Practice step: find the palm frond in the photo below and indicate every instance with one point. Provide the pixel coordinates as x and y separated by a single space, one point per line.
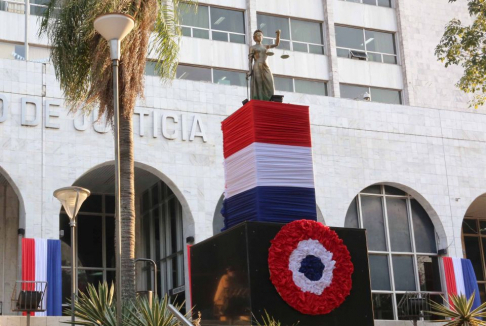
460 312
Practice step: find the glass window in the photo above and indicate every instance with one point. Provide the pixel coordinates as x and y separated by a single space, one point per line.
381 3
348 37
384 3
283 84
227 20
190 16
352 91
306 35
385 96
310 87
380 42
227 77
385 213
193 73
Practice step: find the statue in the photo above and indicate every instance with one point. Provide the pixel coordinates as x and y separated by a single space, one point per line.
262 87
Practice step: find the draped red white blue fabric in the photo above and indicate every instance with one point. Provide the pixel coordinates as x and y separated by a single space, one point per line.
461 279
41 261
268 164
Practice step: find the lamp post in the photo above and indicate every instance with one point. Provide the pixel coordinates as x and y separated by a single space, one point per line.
114 27
71 199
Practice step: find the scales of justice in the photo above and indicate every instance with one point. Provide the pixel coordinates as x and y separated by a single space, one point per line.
262 84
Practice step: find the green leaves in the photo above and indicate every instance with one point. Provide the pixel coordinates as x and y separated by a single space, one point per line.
459 312
465 46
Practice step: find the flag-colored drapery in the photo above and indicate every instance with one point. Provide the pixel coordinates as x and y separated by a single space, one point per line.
461 279
41 261
268 164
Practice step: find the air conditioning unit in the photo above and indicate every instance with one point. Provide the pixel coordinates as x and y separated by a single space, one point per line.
358 55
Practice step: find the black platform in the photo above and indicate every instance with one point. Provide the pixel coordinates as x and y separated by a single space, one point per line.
243 251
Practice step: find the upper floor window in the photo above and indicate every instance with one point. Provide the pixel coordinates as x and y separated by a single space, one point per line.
288 84
378 46
213 23
381 3
381 95
297 35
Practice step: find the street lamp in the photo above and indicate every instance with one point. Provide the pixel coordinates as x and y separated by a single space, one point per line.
71 199
114 27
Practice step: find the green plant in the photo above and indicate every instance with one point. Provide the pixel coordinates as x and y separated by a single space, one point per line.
460 311
268 320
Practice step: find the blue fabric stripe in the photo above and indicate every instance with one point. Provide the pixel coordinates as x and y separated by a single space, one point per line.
270 204
54 278
470 282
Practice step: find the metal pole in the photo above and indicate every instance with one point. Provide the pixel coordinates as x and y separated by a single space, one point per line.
73 266
26 40
117 195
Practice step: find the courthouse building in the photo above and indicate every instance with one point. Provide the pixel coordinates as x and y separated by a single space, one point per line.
396 148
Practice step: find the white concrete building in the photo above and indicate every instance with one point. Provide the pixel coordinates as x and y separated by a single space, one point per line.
424 146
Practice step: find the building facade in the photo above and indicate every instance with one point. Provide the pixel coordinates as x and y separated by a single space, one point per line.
408 165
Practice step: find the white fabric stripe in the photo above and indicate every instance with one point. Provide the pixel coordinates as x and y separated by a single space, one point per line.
41 268
261 164
461 289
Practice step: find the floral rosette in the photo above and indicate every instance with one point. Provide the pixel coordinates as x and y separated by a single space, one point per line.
310 267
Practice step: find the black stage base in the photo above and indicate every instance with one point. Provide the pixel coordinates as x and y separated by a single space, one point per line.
231 281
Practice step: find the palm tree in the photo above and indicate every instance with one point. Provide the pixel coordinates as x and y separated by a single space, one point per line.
83 68
460 311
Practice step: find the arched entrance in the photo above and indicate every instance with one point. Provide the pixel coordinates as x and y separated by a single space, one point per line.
159 232
10 208
474 240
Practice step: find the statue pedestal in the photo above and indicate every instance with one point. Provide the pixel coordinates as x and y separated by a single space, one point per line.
231 281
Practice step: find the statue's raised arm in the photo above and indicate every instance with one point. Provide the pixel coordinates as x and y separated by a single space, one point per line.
262 86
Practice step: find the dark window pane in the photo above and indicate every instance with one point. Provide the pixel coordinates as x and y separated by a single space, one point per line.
380 278
92 204
304 31
65 240
473 253
283 84
235 38
469 227
155 194
376 57
482 292
109 204
220 36
284 45
483 240
310 87
173 226
351 220
110 241
147 227
189 16
110 277
300 47
200 33
353 92
90 237
186 31
347 37
343 53
382 306
89 277
403 273
384 3
394 191
398 224
227 77
157 232
369 2
380 42
376 189
438 299
482 227
389 59
66 285
269 24
146 194
423 229
316 49
372 210
227 20
429 275
193 73
385 96
169 191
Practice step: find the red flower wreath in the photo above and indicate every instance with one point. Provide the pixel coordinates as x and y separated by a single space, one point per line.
339 270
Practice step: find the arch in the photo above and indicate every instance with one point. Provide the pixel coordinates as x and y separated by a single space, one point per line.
434 217
4 174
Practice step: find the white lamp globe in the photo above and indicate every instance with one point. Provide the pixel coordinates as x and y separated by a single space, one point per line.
71 199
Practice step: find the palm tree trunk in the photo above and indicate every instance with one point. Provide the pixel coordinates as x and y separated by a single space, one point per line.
127 190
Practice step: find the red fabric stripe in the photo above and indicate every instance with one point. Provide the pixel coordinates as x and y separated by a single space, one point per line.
28 265
450 277
266 122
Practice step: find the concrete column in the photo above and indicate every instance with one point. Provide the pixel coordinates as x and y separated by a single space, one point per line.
402 36
330 45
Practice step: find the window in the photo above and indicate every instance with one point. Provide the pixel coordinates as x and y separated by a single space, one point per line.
297 35
163 236
95 242
401 246
381 3
17 52
287 84
376 94
474 244
37 7
213 23
379 46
